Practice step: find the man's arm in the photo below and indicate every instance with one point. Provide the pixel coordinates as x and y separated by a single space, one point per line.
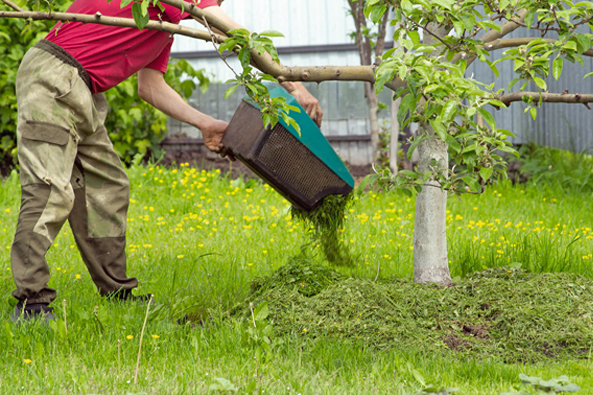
305 99
153 89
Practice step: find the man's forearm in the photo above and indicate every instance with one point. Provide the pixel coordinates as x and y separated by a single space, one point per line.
155 91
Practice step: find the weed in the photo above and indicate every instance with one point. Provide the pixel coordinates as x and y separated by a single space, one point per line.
561 385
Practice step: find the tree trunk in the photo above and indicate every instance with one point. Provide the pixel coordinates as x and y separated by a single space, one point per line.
373 105
394 143
431 264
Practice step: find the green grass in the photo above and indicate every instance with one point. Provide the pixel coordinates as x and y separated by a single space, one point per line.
197 240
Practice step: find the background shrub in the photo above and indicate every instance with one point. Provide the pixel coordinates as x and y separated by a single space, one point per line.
135 127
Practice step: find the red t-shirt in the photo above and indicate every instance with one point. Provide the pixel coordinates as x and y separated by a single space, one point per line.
110 54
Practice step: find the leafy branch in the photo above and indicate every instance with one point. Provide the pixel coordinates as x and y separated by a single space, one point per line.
245 44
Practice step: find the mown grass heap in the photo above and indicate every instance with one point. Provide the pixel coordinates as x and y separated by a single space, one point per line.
326 221
502 314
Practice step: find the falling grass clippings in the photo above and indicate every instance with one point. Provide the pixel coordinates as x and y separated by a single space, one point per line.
327 221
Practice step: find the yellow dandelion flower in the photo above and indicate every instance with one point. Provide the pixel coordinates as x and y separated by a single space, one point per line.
7 210
129 337
155 336
27 361
77 276
179 256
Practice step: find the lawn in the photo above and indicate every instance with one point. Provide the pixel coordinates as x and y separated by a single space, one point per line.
198 239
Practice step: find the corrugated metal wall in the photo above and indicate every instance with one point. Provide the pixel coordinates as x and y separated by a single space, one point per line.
304 23
313 22
564 126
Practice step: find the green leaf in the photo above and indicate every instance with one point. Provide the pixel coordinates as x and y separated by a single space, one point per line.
529 18
497 103
533 112
261 312
230 91
459 27
486 173
125 3
144 7
449 111
588 75
506 132
557 67
271 33
414 36
540 82
414 145
408 103
439 128
409 173
487 117
444 3
141 20
407 6
453 143
245 57
570 45
377 13
472 183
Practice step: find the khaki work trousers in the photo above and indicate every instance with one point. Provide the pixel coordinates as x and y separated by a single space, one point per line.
68 170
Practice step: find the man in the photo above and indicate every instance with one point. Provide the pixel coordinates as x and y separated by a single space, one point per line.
69 169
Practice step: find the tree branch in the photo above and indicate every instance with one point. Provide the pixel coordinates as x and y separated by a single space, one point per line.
110 21
542 29
516 42
493 35
216 47
505 29
197 12
282 73
12 5
547 97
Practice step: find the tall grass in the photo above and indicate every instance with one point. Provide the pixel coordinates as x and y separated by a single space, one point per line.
197 239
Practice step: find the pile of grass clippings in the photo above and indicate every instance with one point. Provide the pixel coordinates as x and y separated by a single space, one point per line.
326 221
502 314
299 275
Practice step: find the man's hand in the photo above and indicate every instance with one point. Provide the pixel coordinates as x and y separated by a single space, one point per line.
212 133
307 101
153 89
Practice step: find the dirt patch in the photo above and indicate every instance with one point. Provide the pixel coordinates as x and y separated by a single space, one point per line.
456 343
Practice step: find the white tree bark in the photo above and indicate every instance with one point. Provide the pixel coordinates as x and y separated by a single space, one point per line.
394 143
431 264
